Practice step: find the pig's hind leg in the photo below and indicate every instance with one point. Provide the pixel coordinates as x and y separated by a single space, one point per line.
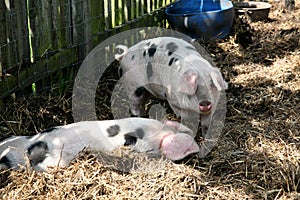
137 102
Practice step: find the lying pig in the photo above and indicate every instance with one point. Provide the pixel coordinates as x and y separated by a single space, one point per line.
172 69
59 145
12 151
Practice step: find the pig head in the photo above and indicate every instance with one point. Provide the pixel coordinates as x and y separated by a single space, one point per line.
171 69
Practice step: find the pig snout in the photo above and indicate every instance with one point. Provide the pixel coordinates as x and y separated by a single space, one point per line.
178 146
205 107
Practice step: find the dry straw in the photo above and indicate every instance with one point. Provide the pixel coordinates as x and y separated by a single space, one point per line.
257 156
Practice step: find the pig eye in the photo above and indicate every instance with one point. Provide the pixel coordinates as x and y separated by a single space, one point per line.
190 96
149 150
212 85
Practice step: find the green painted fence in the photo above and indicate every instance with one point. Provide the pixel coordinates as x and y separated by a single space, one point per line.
43 42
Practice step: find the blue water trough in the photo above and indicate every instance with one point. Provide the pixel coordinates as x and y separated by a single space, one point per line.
201 19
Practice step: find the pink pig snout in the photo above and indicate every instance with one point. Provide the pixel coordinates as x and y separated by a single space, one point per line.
205 107
178 146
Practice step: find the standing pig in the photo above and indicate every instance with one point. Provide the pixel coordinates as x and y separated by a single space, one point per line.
59 145
172 69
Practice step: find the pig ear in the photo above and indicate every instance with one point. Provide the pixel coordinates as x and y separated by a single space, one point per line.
118 57
178 146
178 127
189 82
218 81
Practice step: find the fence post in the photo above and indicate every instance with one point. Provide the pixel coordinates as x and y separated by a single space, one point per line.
40 26
62 15
3 38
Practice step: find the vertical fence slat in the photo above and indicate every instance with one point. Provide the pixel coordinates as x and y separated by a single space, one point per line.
22 31
102 16
108 16
77 22
97 20
63 23
40 25
124 14
11 34
116 13
128 6
11 42
151 6
95 15
81 27
160 3
3 49
135 9
155 4
52 17
145 6
3 38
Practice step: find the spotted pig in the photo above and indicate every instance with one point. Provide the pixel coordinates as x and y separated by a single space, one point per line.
172 69
59 145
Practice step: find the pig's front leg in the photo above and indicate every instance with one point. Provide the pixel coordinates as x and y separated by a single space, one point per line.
205 123
137 101
178 127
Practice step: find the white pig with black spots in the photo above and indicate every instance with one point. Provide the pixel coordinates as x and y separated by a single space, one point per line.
171 69
59 145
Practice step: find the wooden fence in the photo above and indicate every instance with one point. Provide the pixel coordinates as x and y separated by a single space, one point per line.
42 41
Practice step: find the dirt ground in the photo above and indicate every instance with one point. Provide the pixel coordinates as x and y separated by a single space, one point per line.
257 156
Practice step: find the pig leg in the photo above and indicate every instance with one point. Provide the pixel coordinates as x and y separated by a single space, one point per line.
205 123
137 101
178 127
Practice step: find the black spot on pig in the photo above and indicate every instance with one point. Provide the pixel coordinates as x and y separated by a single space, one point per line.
172 60
148 43
37 152
149 70
152 50
139 91
171 47
48 130
129 139
113 130
140 133
4 161
145 53
132 57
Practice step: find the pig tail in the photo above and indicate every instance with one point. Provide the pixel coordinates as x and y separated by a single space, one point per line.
118 57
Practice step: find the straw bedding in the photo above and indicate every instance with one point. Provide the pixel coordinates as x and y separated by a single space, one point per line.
257 156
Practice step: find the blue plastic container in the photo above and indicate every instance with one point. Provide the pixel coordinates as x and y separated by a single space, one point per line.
202 19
